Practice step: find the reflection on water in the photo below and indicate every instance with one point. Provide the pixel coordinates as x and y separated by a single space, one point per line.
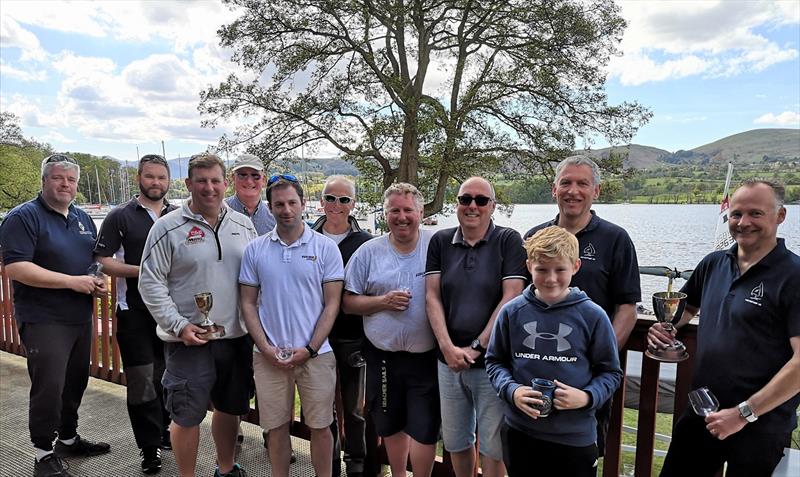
674 236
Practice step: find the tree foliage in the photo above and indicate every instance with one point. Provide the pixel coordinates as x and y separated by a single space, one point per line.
423 91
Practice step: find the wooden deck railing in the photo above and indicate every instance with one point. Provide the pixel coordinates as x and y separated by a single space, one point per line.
106 365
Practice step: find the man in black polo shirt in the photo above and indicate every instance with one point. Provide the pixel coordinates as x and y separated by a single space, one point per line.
609 271
47 251
472 270
748 344
123 235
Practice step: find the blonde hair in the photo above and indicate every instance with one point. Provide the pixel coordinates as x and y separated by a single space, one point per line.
552 242
403 188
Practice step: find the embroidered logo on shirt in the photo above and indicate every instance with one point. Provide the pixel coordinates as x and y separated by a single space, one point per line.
588 252
196 235
756 294
82 229
561 337
311 258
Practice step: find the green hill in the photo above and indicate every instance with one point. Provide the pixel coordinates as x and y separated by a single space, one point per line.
758 145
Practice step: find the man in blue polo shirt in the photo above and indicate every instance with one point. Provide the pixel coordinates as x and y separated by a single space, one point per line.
122 235
748 344
609 271
248 182
47 250
462 314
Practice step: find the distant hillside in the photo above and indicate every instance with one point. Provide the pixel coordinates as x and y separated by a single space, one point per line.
757 146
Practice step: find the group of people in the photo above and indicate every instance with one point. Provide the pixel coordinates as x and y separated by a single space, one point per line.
421 334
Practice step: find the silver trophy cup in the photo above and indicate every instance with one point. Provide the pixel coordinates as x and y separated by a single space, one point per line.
204 302
668 307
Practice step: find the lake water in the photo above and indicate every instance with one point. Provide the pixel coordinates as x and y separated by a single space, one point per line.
674 236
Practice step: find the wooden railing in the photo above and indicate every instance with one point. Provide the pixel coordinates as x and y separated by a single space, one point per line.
106 365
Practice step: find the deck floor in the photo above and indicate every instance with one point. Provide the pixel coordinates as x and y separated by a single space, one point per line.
103 416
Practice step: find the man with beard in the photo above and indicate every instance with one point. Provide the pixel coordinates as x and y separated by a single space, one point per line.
47 250
119 249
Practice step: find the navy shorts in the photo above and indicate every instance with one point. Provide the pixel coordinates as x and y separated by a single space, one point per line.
403 393
219 373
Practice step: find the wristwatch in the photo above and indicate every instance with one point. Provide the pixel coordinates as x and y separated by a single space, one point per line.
746 412
311 351
476 345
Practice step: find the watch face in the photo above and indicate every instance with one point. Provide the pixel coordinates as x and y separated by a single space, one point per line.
475 344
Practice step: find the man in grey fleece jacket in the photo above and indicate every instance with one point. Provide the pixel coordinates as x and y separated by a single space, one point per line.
198 248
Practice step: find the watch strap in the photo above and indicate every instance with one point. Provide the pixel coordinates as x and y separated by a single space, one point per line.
311 351
746 412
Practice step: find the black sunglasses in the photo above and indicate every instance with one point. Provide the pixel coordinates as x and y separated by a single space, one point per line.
344 200
244 175
59 158
277 177
154 159
467 199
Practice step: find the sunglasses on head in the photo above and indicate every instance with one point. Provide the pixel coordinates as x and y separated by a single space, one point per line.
153 159
253 175
344 200
59 158
480 200
277 177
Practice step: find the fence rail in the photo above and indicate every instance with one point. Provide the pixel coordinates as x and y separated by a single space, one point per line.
106 364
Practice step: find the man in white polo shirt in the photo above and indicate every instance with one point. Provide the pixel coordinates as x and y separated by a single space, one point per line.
291 286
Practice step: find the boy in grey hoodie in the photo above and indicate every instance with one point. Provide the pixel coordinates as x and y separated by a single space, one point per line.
557 333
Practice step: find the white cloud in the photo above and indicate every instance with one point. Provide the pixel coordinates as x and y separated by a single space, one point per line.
21 74
670 40
55 136
786 118
12 35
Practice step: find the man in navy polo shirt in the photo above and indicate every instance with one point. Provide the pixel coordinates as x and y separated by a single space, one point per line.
123 235
472 270
748 344
609 271
248 182
47 251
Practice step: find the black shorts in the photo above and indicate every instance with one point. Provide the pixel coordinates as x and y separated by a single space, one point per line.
219 373
403 393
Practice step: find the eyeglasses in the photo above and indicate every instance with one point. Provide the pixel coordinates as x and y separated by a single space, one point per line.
344 200
58 158
153 159
480 200
277 177
253 175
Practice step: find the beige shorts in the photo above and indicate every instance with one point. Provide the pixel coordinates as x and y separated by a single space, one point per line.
316 384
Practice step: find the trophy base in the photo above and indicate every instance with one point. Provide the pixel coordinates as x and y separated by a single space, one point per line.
673 354
212 332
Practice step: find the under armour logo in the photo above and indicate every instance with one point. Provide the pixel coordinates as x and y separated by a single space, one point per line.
589 251
561 337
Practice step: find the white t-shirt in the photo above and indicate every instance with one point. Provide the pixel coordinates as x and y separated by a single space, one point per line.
290 278
373 270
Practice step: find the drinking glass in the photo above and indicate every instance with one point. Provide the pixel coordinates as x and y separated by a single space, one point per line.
703 401
284 351
405 281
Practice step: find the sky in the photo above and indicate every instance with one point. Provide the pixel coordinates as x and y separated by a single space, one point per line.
107 77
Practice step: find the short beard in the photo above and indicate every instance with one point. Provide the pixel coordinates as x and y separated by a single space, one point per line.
150 197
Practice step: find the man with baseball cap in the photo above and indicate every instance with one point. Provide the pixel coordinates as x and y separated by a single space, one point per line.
248 182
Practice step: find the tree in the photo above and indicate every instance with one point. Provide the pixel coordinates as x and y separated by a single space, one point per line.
19 180
10 132
522 79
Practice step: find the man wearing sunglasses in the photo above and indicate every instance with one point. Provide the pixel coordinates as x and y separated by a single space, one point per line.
472 270
248 182
47 248
609 271
119 249
347 335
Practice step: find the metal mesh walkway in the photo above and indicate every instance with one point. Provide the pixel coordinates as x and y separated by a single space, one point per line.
103 416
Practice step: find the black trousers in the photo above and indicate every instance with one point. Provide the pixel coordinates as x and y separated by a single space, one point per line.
526 456
142 355
352 381
58 365
694 451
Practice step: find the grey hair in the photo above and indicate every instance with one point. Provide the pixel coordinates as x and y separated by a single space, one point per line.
342 179
403 188
778 189
66 165
579 160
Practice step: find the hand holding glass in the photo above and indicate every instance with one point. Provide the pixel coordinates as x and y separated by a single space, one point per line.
703 401
405 281
284 351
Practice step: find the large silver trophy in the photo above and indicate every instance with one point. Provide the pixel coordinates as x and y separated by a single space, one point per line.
668 307
204 302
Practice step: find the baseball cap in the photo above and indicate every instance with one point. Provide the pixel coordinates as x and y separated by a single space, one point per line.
248 160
